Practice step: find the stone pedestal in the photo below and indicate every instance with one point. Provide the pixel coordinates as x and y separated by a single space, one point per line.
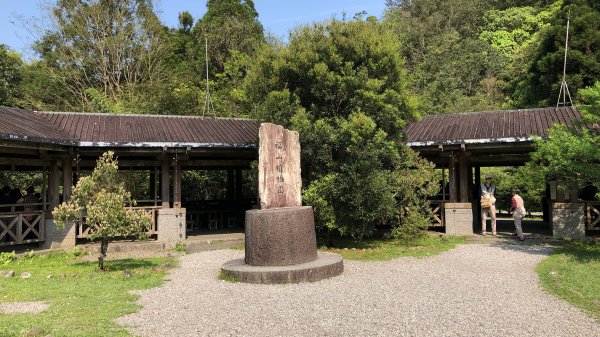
458 218
171 224
280 236
281 247
59 237
281 244
325 266
568 220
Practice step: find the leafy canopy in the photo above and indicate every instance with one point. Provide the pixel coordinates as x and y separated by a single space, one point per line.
572 153
344 87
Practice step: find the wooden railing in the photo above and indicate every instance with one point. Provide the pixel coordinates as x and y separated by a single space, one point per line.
18 226
592 215
83 229
437 212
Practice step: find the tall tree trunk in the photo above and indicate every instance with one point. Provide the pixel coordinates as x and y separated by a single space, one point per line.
103 250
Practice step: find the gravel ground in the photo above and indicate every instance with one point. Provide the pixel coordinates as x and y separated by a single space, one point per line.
23 307
473 290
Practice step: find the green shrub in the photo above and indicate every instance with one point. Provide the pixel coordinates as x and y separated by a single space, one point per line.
8 257
412 227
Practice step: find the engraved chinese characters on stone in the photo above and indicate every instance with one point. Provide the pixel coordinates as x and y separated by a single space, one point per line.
279 181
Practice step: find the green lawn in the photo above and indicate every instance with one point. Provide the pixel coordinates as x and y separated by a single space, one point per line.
83 301
573 274
383 250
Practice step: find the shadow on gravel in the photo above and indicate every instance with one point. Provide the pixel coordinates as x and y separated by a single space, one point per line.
528 248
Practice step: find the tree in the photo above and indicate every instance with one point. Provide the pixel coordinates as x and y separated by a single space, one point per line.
344 87
539 85
229 25
572 153
453 69
101 50
101 198
11 75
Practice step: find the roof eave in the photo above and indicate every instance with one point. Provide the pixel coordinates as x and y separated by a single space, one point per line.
473 141
41 140
165 144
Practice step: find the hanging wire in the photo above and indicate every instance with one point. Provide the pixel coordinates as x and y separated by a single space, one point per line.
207 100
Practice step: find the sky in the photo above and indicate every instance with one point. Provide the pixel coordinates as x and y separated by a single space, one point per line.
17 17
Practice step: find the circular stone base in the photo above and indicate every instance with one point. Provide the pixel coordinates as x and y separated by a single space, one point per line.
325 266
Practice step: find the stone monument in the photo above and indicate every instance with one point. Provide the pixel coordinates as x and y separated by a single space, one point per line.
281 245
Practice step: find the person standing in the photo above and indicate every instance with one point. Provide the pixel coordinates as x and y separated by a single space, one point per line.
517 206
487 192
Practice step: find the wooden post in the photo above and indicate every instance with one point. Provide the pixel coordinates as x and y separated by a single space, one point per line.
152 186
477 179
464 177
238 184
176 184
45 189
230 185
53 185
561 193
164 183
67 178
452 177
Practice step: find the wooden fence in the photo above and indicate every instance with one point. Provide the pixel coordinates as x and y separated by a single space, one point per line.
18 226
592 215
83 229
437 212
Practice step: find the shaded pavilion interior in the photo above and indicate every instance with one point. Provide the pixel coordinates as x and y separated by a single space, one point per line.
463 144
62 145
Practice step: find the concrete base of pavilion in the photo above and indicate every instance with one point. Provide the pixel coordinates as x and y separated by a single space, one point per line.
459 218
568 220
281 247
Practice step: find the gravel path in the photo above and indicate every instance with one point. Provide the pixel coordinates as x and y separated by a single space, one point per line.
473 290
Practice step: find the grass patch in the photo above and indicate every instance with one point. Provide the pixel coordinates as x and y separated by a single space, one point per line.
83 301
239 246
180 247
226 277
384 250
572 273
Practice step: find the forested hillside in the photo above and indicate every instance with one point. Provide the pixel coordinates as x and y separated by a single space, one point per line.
457 55
349 85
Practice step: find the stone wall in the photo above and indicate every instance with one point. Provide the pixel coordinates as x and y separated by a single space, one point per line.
568 220
458 218
171 224
59 238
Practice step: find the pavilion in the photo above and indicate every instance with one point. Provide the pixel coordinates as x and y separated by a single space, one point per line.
61 145
464 143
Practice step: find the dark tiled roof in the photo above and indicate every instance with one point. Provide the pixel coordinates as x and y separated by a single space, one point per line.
488 127
113 129
87 129
18 124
